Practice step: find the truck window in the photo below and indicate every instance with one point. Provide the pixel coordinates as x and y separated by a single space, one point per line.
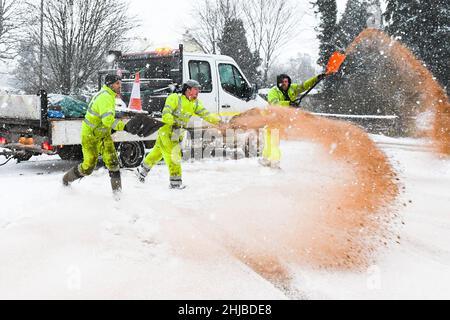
201 71
150 67
233 82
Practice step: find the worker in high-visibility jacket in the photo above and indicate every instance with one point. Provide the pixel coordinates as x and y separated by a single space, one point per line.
96 133
283 94
178 110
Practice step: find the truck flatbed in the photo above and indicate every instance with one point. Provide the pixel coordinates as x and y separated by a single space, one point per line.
25 117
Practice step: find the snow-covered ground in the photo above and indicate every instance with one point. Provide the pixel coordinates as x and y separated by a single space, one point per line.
160 244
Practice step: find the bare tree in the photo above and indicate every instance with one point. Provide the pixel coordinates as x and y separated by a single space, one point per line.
271 24
77 37
9 26
211 16
303 67
299 68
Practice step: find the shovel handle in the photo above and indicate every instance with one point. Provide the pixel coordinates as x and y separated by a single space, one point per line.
299 100
333 66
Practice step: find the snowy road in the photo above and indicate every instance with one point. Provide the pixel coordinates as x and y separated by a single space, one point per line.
159 244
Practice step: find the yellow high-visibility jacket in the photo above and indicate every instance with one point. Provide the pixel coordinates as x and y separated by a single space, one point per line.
179 110
276 96
100 118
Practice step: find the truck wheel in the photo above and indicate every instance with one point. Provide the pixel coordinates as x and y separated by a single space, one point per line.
131 154
70 153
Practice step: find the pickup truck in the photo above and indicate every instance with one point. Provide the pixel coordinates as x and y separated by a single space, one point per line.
26 130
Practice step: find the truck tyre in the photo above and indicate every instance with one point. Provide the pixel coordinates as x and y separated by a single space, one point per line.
131 154
70 153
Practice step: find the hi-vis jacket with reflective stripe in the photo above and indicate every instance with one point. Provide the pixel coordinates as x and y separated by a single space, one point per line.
101 115
276 96
179 110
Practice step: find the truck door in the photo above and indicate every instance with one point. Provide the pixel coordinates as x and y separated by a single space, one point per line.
201 70
235 92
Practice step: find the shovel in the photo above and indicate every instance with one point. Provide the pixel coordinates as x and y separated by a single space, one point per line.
333 66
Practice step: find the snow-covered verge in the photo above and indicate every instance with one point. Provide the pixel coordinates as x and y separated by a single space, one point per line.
160 244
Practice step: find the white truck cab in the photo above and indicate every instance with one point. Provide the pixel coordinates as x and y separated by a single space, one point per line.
226 90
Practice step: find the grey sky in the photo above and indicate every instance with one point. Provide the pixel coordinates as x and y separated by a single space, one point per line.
163 22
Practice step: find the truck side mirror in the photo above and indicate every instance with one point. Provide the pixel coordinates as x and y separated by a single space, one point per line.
253 92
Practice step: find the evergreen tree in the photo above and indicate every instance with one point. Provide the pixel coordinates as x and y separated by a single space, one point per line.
234 44
424 26
402 17
327 9
354 20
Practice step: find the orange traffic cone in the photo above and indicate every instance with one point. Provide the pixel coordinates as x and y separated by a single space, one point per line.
135 99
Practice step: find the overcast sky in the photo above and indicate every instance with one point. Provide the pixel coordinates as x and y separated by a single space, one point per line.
164 22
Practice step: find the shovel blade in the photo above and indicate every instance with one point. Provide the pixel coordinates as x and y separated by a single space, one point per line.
335 62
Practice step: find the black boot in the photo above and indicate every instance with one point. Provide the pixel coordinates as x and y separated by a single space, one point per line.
71 176
116 182
176 183
142 172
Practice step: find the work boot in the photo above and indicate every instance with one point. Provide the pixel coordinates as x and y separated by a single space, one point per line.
71 176
142 172
116 183
269 164
176 183
275 165
264 162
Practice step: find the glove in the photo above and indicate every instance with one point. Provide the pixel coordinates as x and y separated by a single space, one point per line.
321 76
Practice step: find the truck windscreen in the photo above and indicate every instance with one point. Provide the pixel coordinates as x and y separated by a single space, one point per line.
153 67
